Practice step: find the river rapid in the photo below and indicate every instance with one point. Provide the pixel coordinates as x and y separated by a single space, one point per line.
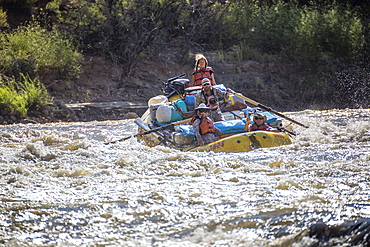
61 186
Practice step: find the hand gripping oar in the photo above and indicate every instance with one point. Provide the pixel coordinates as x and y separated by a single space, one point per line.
266 108
151 131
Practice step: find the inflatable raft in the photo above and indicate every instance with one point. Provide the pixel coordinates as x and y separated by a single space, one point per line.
244 142
167 117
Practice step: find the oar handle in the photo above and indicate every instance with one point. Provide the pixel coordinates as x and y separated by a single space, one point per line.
245 98
267 108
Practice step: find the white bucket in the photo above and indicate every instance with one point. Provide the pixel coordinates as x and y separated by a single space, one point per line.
163 113
168 114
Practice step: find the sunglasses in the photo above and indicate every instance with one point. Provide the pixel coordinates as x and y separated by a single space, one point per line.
258 118
203 110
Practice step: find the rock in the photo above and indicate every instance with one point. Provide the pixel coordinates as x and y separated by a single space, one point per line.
45 112
13 118
353 233
27 121
130 115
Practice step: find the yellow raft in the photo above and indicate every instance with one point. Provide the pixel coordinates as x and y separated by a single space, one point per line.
244 142
174 107
231 143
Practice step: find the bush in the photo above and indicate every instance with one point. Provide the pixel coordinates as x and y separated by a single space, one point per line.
332 31
123 30
308 34
34 50
3 19
17 97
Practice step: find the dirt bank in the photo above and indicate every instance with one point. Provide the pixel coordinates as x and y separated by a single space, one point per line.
102 81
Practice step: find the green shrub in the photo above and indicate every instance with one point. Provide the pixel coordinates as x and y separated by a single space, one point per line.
327 32
3 19
17 97
307 34
34 50
122 30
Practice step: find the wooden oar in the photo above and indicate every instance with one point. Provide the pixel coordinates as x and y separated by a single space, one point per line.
151 131
266 108
289 131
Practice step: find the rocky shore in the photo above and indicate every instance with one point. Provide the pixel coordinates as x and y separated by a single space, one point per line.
78 112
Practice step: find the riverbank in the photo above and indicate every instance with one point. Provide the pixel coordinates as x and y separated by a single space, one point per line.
102 92
80 112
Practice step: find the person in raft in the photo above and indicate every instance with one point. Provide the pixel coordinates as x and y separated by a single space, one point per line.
259 124
204 129
209 96
201 71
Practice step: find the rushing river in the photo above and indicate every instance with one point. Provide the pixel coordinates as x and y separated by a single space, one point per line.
61 186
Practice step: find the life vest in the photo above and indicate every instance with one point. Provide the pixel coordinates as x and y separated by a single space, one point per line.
211 100
205 126
255 127
201 74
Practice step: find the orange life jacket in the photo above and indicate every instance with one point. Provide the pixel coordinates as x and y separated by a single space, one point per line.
206 125
201 74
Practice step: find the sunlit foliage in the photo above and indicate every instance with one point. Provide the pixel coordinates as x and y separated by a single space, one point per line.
17 97
3 19
34 50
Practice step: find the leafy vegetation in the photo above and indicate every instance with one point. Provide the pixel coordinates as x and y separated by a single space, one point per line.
30 52
312 34
3 17
34 50
17 97
123 30
307 34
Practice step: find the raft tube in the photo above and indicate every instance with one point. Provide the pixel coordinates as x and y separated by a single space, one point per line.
245 142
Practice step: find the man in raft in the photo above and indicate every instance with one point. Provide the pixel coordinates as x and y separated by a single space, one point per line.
209 96
204 129
259 123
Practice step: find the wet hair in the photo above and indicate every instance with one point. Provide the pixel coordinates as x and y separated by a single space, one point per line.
199 57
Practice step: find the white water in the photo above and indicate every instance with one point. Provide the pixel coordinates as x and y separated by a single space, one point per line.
61 186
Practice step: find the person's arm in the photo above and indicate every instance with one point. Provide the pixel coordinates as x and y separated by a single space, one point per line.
198 100
218 131
213 78
197 132
221 93
246 126
192 81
